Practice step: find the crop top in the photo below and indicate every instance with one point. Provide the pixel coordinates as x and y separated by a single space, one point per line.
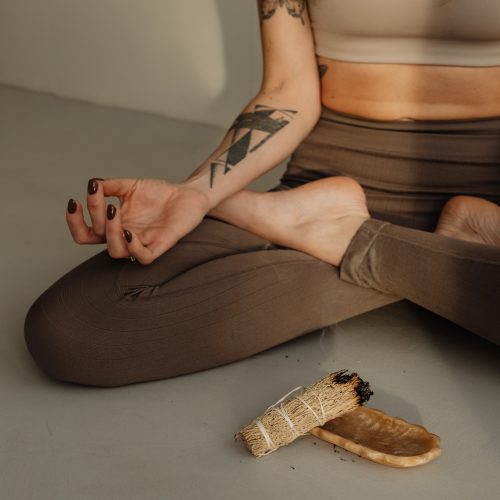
444 32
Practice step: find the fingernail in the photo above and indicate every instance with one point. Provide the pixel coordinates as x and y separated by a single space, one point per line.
111 211
128 235
72 206
92 186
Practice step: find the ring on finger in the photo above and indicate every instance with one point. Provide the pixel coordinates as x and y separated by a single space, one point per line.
132 258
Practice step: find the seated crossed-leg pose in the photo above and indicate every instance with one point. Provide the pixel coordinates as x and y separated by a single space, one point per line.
263 268
371 210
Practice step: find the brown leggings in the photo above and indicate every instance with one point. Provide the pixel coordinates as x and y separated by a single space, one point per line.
222 294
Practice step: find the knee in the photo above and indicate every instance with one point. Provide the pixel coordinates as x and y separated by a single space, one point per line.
47 340
58 343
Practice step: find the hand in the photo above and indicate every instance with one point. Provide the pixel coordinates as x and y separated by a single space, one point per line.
153 215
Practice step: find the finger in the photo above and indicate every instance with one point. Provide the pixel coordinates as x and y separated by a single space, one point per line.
117 247
96 206
145 254
79 230
117 187
136 249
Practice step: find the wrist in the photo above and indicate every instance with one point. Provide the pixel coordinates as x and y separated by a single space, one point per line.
200 184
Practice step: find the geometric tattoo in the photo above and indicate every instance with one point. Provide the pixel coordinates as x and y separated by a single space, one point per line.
295 8
251 130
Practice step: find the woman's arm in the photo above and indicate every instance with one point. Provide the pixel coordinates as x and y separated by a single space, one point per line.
154 214
279 117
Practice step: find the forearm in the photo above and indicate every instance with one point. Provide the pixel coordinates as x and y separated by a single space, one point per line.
265 133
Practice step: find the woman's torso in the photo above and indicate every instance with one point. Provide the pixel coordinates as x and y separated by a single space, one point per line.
453 68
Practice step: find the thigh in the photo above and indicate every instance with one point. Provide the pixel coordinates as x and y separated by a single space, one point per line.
219 295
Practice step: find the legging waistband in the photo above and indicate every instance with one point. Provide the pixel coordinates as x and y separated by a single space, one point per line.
470 140
459 124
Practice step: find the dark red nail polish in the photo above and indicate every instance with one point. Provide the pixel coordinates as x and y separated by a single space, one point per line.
111 211
128 235
72 206
92 186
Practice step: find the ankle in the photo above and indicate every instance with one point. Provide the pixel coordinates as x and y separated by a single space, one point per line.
350 230
238 209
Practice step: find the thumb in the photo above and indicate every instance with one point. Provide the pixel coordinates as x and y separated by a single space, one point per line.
117 187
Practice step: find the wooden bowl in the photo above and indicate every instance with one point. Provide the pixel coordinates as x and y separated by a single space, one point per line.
379 437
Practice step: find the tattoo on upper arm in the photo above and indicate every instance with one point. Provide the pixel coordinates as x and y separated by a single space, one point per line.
251 130
267 8
322 68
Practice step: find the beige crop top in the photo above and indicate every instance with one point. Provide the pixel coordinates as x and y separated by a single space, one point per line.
444 32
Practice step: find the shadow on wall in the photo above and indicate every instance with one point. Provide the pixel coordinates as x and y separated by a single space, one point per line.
242 56
198 59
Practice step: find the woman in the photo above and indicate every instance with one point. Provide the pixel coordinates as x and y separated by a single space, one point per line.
391 193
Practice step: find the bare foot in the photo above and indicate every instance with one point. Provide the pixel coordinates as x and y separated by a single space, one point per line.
470 218
319 218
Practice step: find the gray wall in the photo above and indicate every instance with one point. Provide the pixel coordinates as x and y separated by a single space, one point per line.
193 59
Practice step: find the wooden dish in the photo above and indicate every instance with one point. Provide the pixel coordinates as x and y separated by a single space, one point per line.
379 437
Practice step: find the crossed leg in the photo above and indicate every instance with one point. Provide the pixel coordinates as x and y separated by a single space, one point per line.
219 295
451 272
224 292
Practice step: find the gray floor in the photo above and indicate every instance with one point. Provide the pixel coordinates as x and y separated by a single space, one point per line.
174 438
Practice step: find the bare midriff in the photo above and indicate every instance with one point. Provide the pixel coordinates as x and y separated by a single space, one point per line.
383 91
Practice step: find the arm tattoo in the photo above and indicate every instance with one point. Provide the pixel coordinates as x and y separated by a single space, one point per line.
295 8
251 130
322 68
